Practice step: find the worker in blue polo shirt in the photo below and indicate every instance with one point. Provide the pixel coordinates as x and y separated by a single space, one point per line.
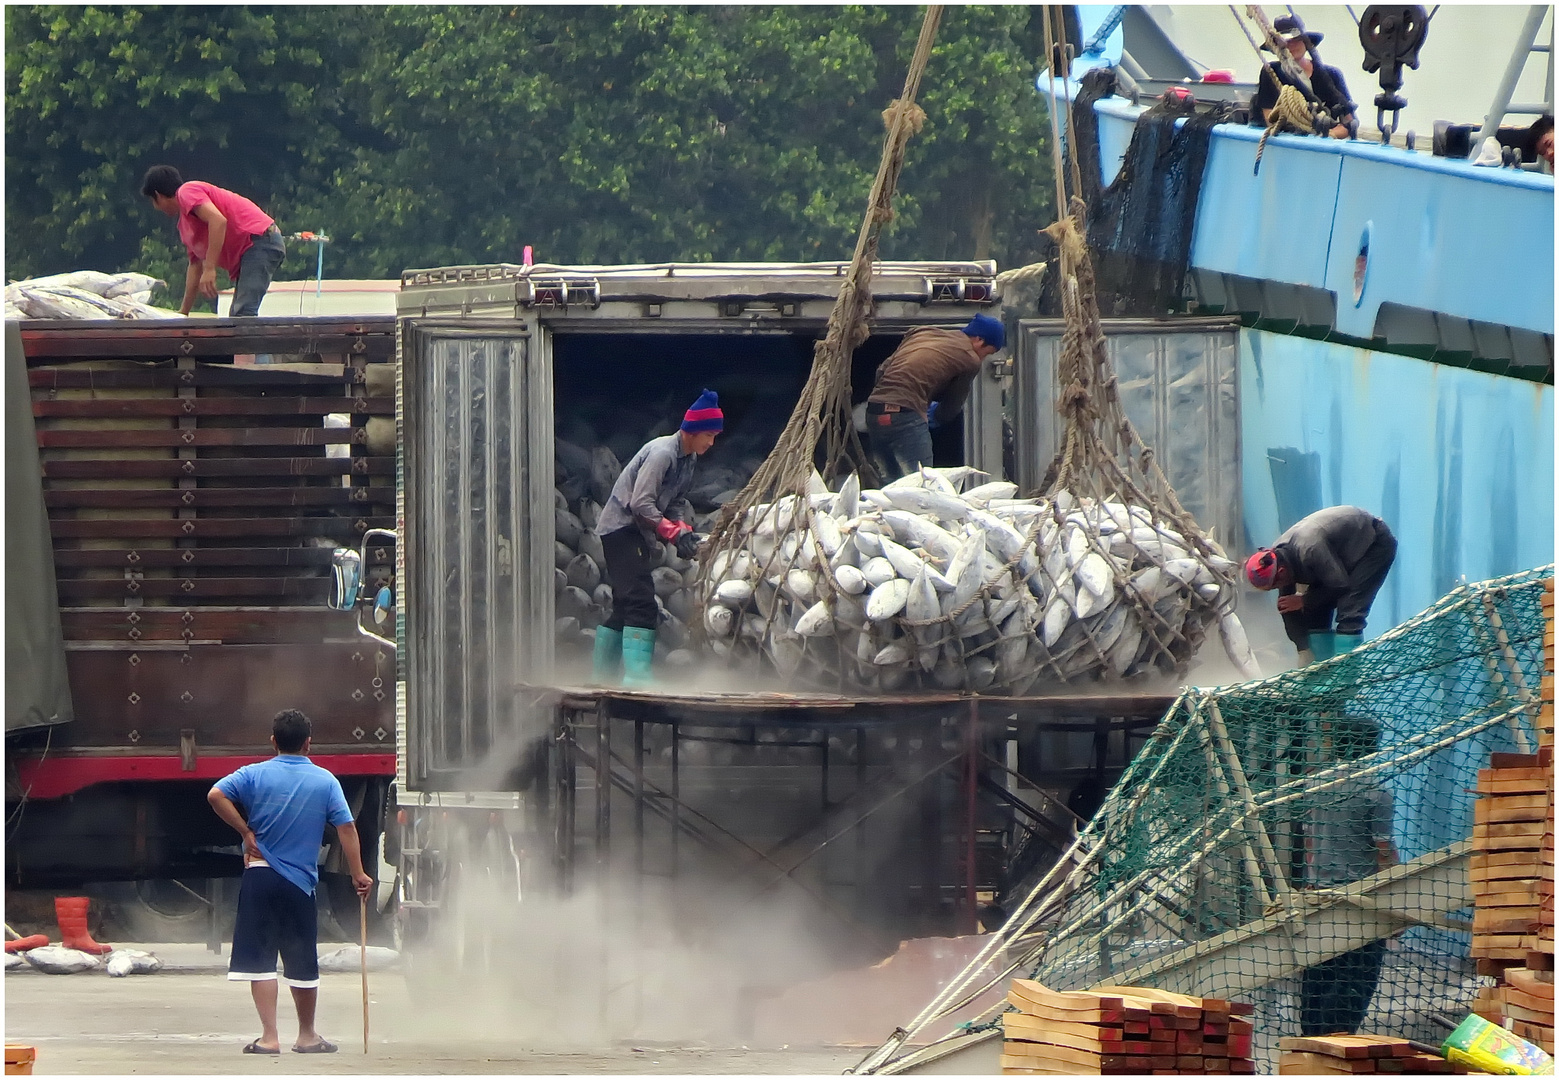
281 807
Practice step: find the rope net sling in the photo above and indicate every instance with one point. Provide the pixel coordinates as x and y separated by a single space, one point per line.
820 424
1102 575
1103 463
1301 842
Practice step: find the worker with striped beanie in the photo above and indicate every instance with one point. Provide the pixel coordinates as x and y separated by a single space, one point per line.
648 507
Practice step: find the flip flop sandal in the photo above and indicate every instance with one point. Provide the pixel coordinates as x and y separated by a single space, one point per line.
322 1047
256 1048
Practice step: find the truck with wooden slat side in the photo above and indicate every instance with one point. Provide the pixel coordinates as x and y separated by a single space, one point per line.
194 477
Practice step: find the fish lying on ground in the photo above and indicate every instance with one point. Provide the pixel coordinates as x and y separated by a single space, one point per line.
122 962
58 960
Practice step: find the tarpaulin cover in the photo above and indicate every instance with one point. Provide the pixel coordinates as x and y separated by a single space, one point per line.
37 692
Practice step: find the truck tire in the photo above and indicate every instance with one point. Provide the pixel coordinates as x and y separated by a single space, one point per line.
340 915
157 910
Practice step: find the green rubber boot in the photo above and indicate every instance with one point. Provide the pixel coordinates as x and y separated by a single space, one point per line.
606 668
1323 644
1346 643
638 655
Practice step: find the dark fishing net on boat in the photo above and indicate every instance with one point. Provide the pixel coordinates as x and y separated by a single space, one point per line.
1140 228
1092 87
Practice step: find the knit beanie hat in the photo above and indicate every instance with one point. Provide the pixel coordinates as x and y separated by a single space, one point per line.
988 330
705 414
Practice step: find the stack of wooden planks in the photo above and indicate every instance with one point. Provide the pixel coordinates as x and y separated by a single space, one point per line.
1123 1030
1513 875
1349 1054
1523 1002
1545 715
1512 863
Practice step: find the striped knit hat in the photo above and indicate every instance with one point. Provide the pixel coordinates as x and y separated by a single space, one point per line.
705 415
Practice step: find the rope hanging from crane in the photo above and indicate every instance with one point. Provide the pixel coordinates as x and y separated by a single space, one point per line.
821 425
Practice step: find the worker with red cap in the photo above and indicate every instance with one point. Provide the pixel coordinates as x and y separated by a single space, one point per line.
1340 556
648 507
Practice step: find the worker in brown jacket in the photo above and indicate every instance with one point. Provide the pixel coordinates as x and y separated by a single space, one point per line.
925 381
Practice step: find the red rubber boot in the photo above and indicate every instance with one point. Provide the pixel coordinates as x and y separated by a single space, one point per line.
71 911
31 941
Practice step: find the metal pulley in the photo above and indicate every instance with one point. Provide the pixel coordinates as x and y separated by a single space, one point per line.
1391 35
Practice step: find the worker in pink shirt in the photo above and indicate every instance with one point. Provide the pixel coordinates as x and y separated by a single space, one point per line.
219 229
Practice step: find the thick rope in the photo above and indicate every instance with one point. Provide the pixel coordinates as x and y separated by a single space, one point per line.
1291 113
821 420
1031 274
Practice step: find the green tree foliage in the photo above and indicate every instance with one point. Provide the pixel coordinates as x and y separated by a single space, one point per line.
424 136
242 97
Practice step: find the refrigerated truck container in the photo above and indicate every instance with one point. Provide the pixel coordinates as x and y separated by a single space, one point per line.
493 360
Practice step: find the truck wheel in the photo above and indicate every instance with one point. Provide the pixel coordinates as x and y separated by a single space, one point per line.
341 908
157 909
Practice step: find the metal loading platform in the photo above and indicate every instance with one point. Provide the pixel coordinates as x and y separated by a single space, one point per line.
899 816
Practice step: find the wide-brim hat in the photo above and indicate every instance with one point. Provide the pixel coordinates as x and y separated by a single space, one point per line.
1288 29
1314 37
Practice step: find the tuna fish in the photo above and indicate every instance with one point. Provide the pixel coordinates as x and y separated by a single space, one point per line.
818 621
996 489
893 654
924 586
719 620
877 570
735 592
887 600
583 573
1237 645
850 580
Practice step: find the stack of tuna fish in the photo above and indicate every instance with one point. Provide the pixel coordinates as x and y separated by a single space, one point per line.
940 581
85 294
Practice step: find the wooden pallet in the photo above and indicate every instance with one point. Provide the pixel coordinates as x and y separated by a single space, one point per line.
1511 869
1545 716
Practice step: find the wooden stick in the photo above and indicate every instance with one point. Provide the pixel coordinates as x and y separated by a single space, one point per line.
362 913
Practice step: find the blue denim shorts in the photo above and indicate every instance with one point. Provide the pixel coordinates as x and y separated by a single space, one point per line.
275 917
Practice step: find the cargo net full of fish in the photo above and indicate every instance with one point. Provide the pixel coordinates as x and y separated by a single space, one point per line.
944 580
1305 842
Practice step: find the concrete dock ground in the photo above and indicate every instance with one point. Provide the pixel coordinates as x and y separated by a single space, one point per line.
188 1019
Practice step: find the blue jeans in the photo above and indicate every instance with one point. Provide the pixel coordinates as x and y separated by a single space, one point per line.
256 267
901 441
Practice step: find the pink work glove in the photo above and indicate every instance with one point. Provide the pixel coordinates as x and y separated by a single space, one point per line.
669 530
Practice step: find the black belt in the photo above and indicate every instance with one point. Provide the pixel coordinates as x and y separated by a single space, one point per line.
883 407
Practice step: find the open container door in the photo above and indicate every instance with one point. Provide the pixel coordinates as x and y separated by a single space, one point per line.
476 525
983 421
1179 383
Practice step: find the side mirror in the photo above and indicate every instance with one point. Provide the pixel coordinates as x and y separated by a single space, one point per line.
383 602
346 578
